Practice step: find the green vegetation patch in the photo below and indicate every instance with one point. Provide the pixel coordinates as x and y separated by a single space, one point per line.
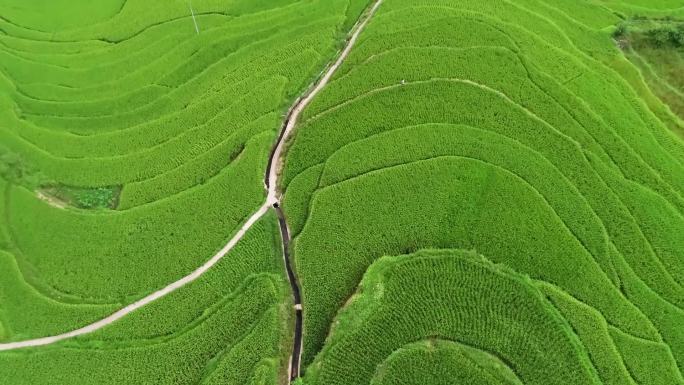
220 329
513 128
202 350
659 33
511 334
24 308
15 169
86 198
656 48
438 362
135 138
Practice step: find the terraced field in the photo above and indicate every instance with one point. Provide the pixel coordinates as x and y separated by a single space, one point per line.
228 327
656 48
473 192
515 129
134 148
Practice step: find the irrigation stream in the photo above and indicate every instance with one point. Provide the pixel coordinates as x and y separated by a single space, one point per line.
272 174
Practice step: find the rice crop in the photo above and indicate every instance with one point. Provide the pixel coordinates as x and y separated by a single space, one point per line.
485 192
513 128
135 141
481 323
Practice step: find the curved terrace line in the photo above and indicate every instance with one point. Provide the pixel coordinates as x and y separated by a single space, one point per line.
272 200
516 105
431 343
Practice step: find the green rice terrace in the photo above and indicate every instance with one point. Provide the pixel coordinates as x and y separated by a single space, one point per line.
352 192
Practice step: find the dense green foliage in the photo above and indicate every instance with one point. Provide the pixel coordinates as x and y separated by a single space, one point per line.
514 128
500 316
135 145
205 350
486 192
473 316
220 329
656 48
134 139
442 362
86 198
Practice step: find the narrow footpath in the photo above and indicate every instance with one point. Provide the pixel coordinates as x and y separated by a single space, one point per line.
272 201
271 182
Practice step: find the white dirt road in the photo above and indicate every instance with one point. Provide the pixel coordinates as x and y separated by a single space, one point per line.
271 199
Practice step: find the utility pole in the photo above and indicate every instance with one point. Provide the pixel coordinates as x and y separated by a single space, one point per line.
192 12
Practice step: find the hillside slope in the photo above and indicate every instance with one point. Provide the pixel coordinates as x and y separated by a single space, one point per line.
516 129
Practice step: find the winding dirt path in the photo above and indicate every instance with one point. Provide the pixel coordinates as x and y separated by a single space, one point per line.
272 200
271 183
